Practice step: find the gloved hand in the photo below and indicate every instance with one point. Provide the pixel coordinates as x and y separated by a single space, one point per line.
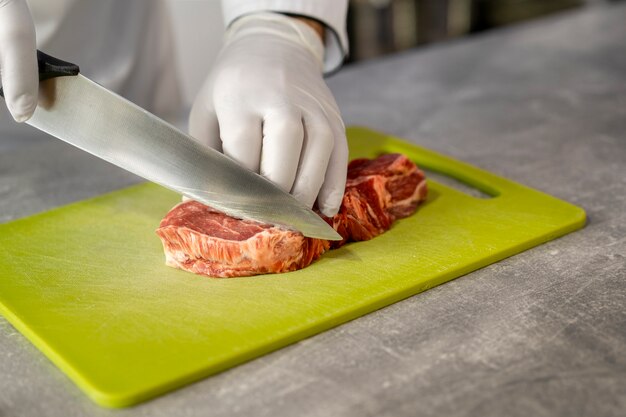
18 59
266 105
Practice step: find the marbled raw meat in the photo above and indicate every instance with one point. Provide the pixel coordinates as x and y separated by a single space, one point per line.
200 239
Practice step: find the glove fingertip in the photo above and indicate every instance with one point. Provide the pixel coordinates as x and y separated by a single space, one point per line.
22 107
330 212
330 205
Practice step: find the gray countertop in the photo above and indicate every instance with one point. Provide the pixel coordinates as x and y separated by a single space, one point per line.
542 333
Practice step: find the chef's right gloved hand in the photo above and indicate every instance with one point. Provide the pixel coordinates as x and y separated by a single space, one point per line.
18 59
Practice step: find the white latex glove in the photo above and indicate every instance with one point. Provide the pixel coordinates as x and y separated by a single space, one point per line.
266 105
18 59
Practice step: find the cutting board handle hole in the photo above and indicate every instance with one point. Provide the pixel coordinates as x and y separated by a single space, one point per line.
456 184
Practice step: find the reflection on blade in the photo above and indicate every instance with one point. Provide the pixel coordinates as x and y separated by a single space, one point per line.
110 127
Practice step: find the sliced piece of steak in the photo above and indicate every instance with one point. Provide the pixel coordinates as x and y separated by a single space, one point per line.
200 239
404 181
378 191
363 213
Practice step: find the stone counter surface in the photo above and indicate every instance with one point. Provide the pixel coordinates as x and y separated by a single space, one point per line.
540 334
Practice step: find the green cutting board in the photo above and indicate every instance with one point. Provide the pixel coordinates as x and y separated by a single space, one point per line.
87 284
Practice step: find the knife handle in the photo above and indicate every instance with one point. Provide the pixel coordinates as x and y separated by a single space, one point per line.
51 67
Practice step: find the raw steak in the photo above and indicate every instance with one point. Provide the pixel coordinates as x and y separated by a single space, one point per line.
404 182
200 239
378 191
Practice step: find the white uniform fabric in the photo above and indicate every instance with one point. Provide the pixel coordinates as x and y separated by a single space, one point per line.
124 45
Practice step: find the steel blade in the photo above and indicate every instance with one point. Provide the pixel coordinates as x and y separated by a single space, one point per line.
94 119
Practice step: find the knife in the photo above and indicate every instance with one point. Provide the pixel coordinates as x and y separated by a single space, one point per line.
84 114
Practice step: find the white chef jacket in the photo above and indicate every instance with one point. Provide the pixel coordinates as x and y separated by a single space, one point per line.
127 45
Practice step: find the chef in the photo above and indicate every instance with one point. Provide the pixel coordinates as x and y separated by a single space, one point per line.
264 103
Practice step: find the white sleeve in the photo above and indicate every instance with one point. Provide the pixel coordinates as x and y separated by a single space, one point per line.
332 13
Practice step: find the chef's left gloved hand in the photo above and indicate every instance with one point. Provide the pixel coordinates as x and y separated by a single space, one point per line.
266 105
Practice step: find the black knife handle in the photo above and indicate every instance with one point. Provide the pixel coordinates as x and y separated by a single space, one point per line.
51 67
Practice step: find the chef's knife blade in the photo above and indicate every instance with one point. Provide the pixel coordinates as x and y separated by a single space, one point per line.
94 119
